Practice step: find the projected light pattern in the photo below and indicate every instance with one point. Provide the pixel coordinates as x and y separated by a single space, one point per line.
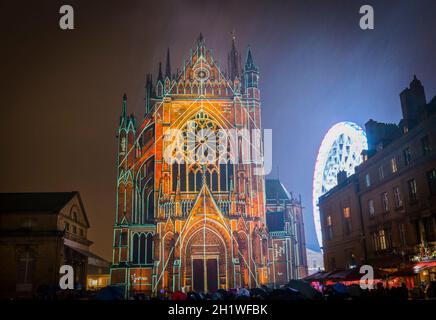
340 150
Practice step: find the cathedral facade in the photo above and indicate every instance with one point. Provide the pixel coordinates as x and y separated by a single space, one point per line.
190 186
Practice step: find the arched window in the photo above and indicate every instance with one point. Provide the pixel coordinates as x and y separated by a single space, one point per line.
214 180
175 175
191 181
223 177
198 180
135 248
149 248
183 177
142 248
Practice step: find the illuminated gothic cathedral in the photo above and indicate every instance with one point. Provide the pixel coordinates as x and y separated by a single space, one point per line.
183 223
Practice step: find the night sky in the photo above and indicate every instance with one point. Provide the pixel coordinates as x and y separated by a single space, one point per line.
61 90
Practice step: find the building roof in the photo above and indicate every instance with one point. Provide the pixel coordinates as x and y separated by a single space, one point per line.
275 221
93 259
35 201
51 202
276 190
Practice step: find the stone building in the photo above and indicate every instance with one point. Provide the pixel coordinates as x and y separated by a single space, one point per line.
39 232
385 213
284 218
341 226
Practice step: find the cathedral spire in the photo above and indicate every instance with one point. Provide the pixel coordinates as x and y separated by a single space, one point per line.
234 60
249 63
123 117
168 65
124 112
251 72
160 77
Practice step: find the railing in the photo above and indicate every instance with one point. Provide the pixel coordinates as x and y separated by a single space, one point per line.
169 207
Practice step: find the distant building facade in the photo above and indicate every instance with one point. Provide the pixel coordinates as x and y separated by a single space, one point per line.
384 214
315 261
287 249
39 232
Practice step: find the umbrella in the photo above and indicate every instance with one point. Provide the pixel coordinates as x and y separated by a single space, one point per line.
340 288
179 295
304 288
110 293
243 293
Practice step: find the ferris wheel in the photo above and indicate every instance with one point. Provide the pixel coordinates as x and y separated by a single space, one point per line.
340 150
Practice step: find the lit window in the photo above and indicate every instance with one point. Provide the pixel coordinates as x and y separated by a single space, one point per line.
347 212
329 228
381 174
382 238
371 209
385 202
375 241
367 180
397 195
407 156
347 220
412 190
394 165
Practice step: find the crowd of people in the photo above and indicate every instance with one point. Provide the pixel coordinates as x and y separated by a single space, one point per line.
294 290
301 290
